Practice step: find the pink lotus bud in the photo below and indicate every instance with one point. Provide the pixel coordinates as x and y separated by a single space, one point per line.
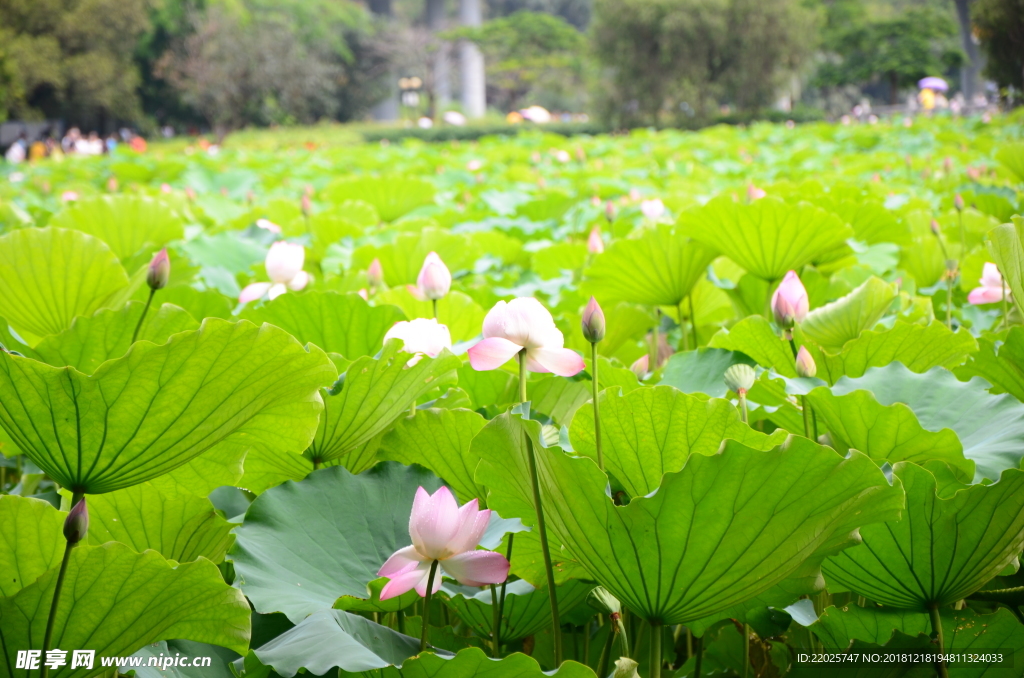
159 271
375 274
805 366
306 204
755 193
609 211
936 229
68 196
595 244
268 225
958 202
947 164
190 194
593 322
789 302
634 195
165 188
76 525
653 209
434 280
112 184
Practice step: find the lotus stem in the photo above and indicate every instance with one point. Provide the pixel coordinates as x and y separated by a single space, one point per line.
135 334
807 417
426 606
52 618
556 627
434 302
746 650
623 636
636 641
586 646
940 666
698 652
400 620
606 651
652 352
693 324
508 557
1006 313
949 300
656 638
963 234
496 620
744 414
597 416
522 376
682 327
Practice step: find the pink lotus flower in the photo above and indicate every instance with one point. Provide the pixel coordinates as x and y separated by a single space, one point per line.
434 280
524 323
284 267
789 302
442 531
653 209
165 188
68 196
595 245
991 290
755 193
640 366
474 165
805 366
421 336
268 225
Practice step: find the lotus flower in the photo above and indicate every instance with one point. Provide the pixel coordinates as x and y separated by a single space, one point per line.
595 245
268 225
524 323
653 209
68 196
442 531
640 365
421 336
789 302
434 280
284 267
755 193
991 290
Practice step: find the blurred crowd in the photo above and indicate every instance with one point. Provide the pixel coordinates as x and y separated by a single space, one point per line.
73 143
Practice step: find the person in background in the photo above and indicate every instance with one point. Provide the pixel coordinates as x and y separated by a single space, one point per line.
111 143
70 140
37 151
16 153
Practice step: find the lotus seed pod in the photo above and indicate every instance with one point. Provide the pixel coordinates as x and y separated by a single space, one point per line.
740 378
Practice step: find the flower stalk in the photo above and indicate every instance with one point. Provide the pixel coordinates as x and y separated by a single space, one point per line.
426 606
76 525
556 627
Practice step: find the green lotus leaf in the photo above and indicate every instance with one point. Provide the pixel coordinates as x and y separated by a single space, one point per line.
50 275
457 311
659 268
337 323
473 663
376 392
755 337
943 548
129 224
493 387
767 237
886 433
440 441
701 371
873 223
402 259
999 203
200 304
1003 367
918 347
357 212
969 631
222 465
392 196
180 527
527 609
563 256
990 427
1011 156
220 659
652 431
116 601
30 541
722 530
158 407
1006 244
832 325
553 205
559 398
837 627
91 341
326 230
304 545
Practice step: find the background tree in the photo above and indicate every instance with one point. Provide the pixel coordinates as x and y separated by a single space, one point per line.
1000 26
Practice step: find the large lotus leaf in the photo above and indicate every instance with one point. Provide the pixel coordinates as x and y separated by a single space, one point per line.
767 237
651 431
837 627
1006 244
990 427
127 223
659 268
457 311
440 441
304 545
528 561
158 407
402 259
873 223
337 323
326 230
1000 364
832 325
50 275
222 465
473 663
942 549
886 433
918 347
701 371
30 541
93 340
181 527
494 387
116 601
200 305
392 196
163 650
968 631
1012 157
374 393
755 337
722 530
527 610
559 398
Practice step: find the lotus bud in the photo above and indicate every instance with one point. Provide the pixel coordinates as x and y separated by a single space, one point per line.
435 280
159 271
805 366
593 322
936 229
609 211
740 378
626 668
755 193
790 303
603 601
375 274
76 525
958 202
307 205
595 244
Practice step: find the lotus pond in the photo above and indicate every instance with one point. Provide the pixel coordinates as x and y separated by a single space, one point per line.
660 404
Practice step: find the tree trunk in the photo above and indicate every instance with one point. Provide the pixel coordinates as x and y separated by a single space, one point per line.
441 93
971 71
893 89
474 96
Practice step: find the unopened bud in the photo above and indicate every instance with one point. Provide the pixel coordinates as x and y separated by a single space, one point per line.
609 211
595 244
434 280
626 667
159 271
76 525
936 229
375 274
593 322
739 378
307 205
789 302
805 366
958 202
